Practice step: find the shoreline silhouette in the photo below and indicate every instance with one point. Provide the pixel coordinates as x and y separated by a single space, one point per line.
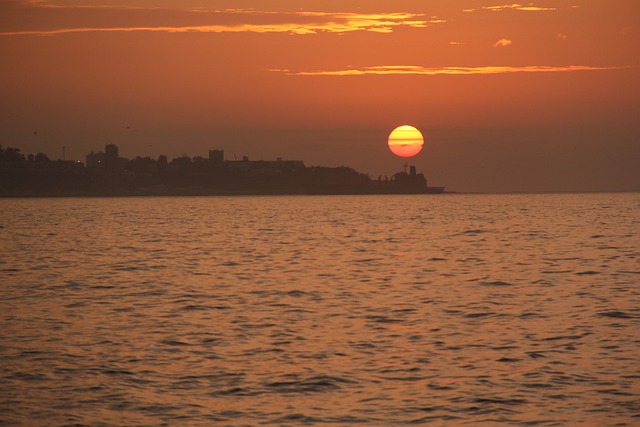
108 174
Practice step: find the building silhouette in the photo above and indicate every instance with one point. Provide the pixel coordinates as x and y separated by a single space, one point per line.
108 174
216 157
111 158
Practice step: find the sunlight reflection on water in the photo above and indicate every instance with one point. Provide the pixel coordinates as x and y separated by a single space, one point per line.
381 310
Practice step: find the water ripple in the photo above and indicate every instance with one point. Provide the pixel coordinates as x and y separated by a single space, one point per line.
465 310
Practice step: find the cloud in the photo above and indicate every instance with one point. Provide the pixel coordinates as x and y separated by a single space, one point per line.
562 36
425 71
515 6
503 43
82 19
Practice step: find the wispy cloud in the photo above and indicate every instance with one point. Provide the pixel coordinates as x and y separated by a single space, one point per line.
227 21
425 71
47 4
503 43
514 6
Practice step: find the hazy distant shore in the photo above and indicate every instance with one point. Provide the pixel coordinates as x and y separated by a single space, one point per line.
108 174
197 193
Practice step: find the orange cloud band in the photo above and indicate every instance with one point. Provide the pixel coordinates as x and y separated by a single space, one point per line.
322 22
514 6
418 70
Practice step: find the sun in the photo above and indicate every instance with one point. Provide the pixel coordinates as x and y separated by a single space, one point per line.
405 141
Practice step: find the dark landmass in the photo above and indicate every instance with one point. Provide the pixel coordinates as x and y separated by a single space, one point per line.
107 174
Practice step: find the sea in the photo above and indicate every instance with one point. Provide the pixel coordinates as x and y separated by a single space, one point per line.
385 310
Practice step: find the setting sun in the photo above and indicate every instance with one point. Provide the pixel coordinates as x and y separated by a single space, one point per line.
405 141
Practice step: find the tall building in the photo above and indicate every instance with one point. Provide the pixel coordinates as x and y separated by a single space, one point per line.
95 160
111 158
216 156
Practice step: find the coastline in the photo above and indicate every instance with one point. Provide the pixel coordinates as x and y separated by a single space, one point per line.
106 174
205 193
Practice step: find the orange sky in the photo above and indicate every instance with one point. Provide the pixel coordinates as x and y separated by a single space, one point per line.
532 96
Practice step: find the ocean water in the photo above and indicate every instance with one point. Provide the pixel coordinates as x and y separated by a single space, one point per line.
449 310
